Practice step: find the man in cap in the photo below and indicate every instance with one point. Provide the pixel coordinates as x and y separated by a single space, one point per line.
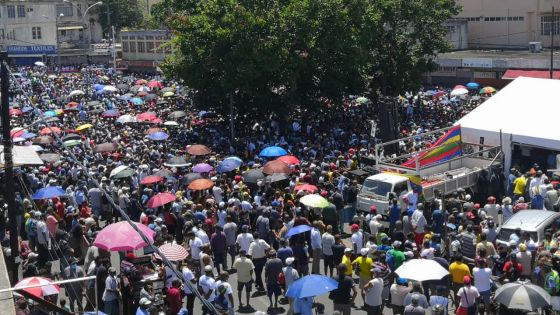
347 261
144 306
468 296
206 283
357 239
414 308
363 265
290 275
112 293
373 289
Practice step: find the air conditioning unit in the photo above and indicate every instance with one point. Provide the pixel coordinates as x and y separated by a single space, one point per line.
535 47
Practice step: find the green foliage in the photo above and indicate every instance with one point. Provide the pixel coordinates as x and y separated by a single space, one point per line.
123 13
281 54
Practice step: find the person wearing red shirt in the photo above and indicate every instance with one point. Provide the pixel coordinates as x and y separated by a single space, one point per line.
174 297
512 269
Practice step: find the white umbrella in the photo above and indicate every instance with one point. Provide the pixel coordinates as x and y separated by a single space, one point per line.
52 76
362 100
459 92
171 123
117 170
76 92
421 270
109 88
126 119
39 63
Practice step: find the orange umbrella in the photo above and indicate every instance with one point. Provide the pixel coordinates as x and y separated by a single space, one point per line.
276 167
201 184
152 130
198 149
50 130
72 104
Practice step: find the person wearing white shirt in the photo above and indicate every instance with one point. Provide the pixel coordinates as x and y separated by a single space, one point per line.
188 275
244 239
218 193
316 246
374 289
257 251
483 282
195 245
206 283
327 241
200 233
375 225
418 223
357 239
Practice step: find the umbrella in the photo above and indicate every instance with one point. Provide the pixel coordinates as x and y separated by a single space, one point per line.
110 88
154 84
28 135
176 162
106 147
152 130
164 173
229 165
171 123
151 179
158 136
306 187
201 184
473 85
439 93
173 252
71 143
459 87
459 92
289 159
110 113
198 149
76 93
177 114
126 119
190 177
124 97
311 285
44 286
84 127
18 139
253 176
39 63
278 177
43 140
121 236
50 157
71 136
98 87
276 167
421 270
146 116
168 94
50 130
487 90
314 201
122 171
273 151
17 132
49 192
137 101
522 295
297 230
362 100
122 86
140 82
149 97
49 113
27 109
167 89
160 200
202 168
14 112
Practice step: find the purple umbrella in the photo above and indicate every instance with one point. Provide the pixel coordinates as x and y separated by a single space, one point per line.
202 168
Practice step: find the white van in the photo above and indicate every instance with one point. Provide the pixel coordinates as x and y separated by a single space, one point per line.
536 222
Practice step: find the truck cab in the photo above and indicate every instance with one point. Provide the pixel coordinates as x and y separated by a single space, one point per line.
376 190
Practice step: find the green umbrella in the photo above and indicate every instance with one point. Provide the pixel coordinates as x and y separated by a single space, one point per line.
168 94
314 201
71 143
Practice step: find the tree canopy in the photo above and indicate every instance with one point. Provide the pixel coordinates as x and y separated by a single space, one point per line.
285 53
122 14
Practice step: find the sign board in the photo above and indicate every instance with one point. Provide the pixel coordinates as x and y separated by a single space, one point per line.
22 155
477 62
31 50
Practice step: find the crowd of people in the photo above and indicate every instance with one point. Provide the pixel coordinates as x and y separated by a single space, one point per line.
240 225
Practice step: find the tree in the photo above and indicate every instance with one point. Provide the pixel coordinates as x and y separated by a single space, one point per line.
120 14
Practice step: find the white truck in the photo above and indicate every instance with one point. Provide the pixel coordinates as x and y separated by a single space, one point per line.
446 177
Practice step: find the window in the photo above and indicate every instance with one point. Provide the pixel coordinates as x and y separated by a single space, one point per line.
125 46
149 37
79 9
150 47
65 9
141 48
63 33
21 11
132 47
11 11
2 34
36 32
549 26
124 37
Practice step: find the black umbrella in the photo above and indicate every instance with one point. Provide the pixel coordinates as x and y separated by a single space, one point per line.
187 179
176 162
278 177
253 176
522 295
164 173
71 136
150 97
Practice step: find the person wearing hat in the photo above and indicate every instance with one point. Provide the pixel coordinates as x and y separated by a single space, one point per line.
395 256
512 268
144 306
206 283
399 290
373 289
345 294
468 298
413 308
363 266
551 279
111 295
347 261
357 239
290 275
244 267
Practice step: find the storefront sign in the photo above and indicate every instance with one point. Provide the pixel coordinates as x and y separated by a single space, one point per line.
31 50
477 62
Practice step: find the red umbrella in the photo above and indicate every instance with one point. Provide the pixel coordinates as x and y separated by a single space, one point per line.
289 159
276 167
440 93
198 149
41 286
201 184
151 179
146 117
48 131
154 83
16 132
307 187
15 112
160 200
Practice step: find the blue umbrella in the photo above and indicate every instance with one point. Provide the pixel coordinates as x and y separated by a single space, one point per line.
312 285
297 230
49 192
136 101
229 165
28 135
27 109
49 113
158 136
273 151
473 85
110 113
430 92
125 97
234 158
98 87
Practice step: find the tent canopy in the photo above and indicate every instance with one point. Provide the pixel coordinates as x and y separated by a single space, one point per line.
526 111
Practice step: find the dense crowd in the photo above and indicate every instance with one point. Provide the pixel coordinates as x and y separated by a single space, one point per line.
240 223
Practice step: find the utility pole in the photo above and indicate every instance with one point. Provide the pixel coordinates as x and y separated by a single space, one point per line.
114 51
231 121
9 193
552 30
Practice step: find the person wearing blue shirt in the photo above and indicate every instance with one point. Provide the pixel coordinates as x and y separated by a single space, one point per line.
394 214
144 306
437 221
303 306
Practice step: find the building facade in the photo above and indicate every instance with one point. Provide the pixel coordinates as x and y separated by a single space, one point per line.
510 24
144 50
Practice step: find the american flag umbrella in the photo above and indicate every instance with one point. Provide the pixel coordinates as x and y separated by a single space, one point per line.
160 200
44 286
173 252
522 295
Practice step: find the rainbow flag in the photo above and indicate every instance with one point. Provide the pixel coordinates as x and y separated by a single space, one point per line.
415 180
446 148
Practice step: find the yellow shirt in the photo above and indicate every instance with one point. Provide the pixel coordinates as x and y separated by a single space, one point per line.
458 271
348 262
364 265
519 185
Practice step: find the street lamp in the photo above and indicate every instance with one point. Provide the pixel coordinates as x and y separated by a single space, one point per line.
84 16
61 15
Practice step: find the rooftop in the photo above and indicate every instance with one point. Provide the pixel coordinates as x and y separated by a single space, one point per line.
498 54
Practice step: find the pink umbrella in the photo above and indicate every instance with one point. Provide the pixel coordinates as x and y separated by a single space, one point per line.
154 83
121 236
151 179
44 286
160 200
306 187
146 117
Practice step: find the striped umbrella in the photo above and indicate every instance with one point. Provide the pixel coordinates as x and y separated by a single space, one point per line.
522 295
173 252
41 286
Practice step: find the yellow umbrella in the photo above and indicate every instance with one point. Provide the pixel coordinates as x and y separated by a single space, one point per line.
84 127
168 94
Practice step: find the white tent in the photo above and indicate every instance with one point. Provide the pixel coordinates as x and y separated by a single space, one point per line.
526 112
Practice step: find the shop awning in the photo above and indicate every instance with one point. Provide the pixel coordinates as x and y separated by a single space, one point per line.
68 28
539 74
